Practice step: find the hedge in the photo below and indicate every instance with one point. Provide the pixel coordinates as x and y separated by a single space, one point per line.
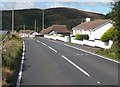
81 37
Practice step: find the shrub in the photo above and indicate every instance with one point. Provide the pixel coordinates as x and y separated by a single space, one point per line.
85 36
81 37
109 35
77 36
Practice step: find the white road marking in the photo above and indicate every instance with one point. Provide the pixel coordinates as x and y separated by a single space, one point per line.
81 54
98 82
92 53
89 52
38 41
83 71
43 43
52 49
21 67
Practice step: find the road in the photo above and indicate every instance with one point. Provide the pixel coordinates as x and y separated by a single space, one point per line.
48 62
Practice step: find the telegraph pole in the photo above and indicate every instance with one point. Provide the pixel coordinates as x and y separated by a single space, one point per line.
12 17
24 29
37 29
43 19
35 25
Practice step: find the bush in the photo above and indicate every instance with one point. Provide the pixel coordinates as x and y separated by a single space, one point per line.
77 36
81 37
109 35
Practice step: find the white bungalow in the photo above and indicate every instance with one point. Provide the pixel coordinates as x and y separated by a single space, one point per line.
27 33
95 29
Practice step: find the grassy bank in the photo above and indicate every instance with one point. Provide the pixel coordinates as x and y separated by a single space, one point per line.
2 37
11 58
110 53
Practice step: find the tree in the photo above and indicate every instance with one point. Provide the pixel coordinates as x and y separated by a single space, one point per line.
115 16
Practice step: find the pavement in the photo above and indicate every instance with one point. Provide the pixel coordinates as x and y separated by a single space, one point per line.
49 62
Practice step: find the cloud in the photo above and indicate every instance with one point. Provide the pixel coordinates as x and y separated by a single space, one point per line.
53 4
58 0
17 5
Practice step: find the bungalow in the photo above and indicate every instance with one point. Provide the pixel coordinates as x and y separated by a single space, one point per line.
56 30
27 33
95 29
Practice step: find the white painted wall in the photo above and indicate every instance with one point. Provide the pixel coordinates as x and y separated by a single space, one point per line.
23 35
95 43
94 34
99 32
33 34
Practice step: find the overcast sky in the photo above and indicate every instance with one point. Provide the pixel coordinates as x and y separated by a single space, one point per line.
99 6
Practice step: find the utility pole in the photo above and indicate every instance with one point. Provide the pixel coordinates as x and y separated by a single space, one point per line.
37 29
12 17
35 25
24 29
43 19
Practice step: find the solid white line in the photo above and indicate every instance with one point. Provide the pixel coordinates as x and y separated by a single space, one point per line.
43 43
83 71
52 49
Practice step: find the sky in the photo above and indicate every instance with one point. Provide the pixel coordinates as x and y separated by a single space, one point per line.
98 6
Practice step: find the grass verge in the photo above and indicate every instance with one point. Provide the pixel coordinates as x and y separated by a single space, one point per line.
11 56
108 53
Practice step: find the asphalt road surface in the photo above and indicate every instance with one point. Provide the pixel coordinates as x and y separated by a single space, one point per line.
49 62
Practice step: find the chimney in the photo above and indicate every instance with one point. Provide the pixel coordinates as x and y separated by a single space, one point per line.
87 19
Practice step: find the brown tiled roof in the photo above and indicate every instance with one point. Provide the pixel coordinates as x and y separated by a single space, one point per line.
56 28
26 31
60 28
45 31
90 25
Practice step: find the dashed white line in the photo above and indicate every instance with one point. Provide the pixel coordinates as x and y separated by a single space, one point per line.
38 41
98 82
83 71
43 43
52 49
21 67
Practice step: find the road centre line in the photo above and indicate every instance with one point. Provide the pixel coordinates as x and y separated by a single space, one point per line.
43 43
80 69
89 52
38 41
83 71
52 49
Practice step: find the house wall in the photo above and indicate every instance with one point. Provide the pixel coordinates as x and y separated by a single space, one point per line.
94 34
81 32
99 32
23 35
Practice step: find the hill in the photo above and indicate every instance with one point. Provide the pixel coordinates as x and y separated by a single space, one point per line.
68 16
